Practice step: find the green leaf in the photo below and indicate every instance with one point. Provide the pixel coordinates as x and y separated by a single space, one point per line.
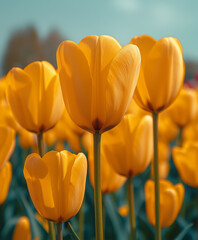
183 233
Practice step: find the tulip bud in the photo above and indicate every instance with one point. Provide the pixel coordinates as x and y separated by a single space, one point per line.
171 199
22 230
161 74
186 161
129 147
56 183
35 97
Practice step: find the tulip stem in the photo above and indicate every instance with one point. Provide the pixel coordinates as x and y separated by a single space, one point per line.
81 221
130 195
52 235
72 232
156 177
59 231
97 188
40 144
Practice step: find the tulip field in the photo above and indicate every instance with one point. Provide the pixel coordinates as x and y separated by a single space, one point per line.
103 147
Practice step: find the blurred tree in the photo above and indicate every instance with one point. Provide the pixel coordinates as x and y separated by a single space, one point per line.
25 46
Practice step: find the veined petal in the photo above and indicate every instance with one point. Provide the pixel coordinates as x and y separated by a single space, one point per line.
122 80
76 83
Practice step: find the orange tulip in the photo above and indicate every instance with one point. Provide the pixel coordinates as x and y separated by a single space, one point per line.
35 97
165 122
27 139
129 147
184 108
5 179
22 230
186 161
171 199
98 78
7 144
56 183
161 74
190 132
111 181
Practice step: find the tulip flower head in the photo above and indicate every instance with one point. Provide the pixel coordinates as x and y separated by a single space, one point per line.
129 147
184 108
123 210
161 74
5 180
171 199
22 230
7 144
56 183
186 161
35 97
98 78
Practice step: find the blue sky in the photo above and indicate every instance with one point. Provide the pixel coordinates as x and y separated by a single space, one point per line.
122 19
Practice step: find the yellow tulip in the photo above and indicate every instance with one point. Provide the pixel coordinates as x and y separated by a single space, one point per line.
111 181
56 183
161 74
98 78
184 108
22 230
42 221
123 210
171 199
5 179
186 161
7 144
165 122
27 139
129 147
190 132
2 88
35 97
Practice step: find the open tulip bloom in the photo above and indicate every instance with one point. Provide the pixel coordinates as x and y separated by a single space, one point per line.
98 78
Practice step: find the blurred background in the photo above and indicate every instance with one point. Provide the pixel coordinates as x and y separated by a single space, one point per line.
32 30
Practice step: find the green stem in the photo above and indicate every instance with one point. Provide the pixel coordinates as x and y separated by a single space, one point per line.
40 144
179 138
97 188
52 235
81 221
156 178
72 232
103 213
59 231
130 195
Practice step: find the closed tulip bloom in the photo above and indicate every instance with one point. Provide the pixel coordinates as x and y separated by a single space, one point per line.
171 199
35 97
186 161
5 179
27 139
190 132
22 229
162 72
111 181
7 144
56 183
98 78
129 147
165 122
184 108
